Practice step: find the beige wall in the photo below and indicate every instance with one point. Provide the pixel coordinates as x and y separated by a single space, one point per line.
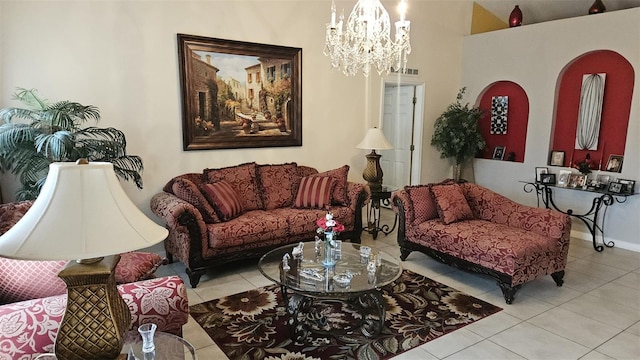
121 56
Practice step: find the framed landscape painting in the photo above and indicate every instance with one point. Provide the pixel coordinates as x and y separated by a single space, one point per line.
239 94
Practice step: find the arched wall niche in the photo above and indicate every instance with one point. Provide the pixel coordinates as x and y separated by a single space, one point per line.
616 106
515 139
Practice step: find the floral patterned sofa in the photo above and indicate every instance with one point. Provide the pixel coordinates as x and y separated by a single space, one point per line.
476 229
240 212
33 298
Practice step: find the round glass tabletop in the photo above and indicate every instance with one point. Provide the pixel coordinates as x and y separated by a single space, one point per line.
347 279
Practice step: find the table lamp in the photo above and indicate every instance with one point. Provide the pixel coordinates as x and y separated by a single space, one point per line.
374 140
83 213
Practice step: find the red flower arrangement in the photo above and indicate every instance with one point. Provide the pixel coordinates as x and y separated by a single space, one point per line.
327 224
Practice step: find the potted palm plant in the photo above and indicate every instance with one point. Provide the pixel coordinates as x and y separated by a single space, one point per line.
457 135
53 133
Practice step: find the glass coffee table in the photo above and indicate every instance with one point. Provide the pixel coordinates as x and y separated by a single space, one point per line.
308 287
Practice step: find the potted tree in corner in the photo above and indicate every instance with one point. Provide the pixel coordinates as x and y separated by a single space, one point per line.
457 135
53 133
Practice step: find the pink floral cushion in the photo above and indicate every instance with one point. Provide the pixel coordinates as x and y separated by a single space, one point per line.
339 195
188 191
224 199
451 204
314 192
278 184
243 180
30 327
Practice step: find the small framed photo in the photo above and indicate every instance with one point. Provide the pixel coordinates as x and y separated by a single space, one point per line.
556 158
563 177
603 179
548 179
615 187
615 163
498 152
628 186
540 171
577 180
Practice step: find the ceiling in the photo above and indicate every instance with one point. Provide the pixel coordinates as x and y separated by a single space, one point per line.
535 11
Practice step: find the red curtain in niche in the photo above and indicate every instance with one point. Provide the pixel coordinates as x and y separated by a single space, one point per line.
616 107
517 119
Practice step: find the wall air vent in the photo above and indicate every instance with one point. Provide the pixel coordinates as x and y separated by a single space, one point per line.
405 71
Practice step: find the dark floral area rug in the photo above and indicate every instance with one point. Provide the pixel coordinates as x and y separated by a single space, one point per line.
255 324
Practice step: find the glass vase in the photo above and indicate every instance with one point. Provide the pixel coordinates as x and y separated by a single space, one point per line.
146 332
328 260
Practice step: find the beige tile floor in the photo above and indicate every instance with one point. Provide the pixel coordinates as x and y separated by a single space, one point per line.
594 315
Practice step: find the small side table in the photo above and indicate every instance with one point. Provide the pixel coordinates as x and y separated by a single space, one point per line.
378 196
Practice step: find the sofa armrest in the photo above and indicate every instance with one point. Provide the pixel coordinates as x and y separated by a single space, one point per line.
491 206
30 327
162 301
185 224
401 205
357 194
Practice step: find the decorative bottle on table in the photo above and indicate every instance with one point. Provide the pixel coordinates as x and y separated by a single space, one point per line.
330 229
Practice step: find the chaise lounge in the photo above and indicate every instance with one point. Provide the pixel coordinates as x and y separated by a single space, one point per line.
475 229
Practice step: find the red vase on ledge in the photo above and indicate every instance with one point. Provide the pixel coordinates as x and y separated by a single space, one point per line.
515 19
597 8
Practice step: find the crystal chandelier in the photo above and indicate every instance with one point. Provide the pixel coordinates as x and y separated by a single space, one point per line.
367 39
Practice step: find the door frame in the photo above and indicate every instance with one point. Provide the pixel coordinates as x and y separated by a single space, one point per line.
418 116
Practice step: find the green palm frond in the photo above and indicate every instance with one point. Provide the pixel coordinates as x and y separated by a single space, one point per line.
69 115
30 168
129 168
55 146
29 98
11 135
55 133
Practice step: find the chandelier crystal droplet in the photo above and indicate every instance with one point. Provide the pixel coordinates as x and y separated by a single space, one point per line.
367 40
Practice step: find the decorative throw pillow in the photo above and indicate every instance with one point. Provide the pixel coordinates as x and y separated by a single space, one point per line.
424 208
278 184
223 199
30 279
451 204
189 192
137 265
314 192
339 195
243 179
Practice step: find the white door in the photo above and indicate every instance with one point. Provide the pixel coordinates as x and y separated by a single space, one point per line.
401 165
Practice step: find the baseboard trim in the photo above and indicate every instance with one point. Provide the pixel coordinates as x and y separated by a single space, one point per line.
617 243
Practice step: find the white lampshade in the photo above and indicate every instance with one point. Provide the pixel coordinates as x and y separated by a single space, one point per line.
82 212
374 140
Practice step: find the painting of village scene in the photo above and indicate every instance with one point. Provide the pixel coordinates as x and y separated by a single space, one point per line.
239 94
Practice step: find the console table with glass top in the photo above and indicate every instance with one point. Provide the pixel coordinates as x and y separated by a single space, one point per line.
591 218
311 284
